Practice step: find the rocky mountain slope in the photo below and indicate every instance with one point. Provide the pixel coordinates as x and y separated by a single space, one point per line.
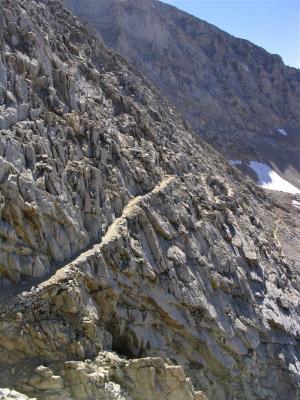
135 262
234 94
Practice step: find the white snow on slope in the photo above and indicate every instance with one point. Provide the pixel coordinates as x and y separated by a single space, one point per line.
296 203
282 131
269 179
235 162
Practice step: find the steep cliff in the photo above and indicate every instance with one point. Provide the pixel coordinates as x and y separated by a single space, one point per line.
233 93
131 253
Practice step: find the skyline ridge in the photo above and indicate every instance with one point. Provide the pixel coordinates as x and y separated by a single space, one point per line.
270 24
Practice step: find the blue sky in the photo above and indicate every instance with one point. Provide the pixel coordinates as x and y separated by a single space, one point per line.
271 24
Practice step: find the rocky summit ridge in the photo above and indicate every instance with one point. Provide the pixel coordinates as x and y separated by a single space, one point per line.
236 95
135 262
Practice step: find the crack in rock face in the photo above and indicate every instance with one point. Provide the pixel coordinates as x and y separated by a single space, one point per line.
134 261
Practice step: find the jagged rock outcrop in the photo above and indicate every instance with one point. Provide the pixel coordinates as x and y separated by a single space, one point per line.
233 93
109 377
121 232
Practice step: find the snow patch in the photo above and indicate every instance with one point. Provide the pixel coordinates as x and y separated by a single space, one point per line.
296 203
269 179
235 162
282 131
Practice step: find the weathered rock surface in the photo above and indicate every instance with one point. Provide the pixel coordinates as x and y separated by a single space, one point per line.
233 93
164 253
109 377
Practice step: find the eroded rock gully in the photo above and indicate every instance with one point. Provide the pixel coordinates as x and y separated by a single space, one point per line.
161 259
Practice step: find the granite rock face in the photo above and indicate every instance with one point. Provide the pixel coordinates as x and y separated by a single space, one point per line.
233 93
135 262
109 377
